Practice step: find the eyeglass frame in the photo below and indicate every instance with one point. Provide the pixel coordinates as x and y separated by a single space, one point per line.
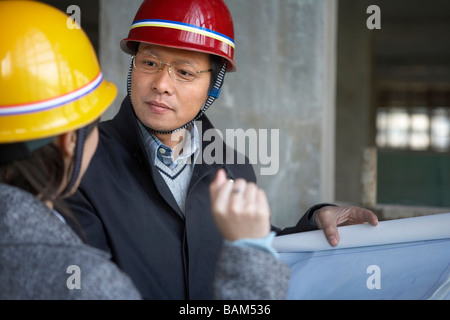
169 68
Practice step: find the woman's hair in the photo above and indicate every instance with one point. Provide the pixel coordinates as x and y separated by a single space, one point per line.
42 175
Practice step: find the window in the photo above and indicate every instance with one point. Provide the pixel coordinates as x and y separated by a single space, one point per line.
413 139
417 121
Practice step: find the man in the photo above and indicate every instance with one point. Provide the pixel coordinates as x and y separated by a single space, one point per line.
145 196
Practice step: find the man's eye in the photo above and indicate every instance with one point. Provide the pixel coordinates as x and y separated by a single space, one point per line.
149 63
186 73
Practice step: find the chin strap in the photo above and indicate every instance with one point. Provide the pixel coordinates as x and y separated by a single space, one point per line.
78 157
213 94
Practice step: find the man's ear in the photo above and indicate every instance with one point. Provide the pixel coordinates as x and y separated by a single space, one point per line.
67 143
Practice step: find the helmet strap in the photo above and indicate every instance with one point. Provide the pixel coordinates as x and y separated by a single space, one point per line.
213 94
79 148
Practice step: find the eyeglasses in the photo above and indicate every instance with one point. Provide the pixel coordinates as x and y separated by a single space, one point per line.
180 71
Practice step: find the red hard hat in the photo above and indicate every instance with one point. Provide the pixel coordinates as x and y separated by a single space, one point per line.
198 25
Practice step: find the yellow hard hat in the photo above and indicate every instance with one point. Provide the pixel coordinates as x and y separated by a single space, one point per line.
50 79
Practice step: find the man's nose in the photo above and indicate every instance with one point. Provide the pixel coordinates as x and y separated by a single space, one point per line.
163 80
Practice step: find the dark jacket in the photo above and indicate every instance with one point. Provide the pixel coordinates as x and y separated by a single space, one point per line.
126 208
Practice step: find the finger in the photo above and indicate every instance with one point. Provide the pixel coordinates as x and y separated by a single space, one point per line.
221 201
249 197
221 177
263 202
249 205
332 234
360 215
330 227
366 215
236 198
239 187
372 219
263 207
219 180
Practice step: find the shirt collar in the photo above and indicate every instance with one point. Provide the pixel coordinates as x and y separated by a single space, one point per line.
157 150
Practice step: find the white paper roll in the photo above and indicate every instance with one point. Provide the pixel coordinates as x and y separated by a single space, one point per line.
421 228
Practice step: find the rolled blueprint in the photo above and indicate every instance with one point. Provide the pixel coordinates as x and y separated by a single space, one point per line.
430 227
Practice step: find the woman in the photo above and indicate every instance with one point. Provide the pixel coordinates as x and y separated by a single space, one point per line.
52 94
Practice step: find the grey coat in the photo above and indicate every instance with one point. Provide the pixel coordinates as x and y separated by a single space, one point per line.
42 258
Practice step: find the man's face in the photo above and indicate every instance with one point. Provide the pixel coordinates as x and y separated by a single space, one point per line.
160 101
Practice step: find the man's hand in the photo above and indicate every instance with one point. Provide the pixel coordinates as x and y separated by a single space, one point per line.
329 218
240 209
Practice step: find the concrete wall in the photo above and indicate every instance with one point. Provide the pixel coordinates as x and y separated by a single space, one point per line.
354 121
285 52
282 83
116 17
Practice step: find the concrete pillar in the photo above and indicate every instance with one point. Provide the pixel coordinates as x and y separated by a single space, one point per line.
369 178
116 17
354 120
